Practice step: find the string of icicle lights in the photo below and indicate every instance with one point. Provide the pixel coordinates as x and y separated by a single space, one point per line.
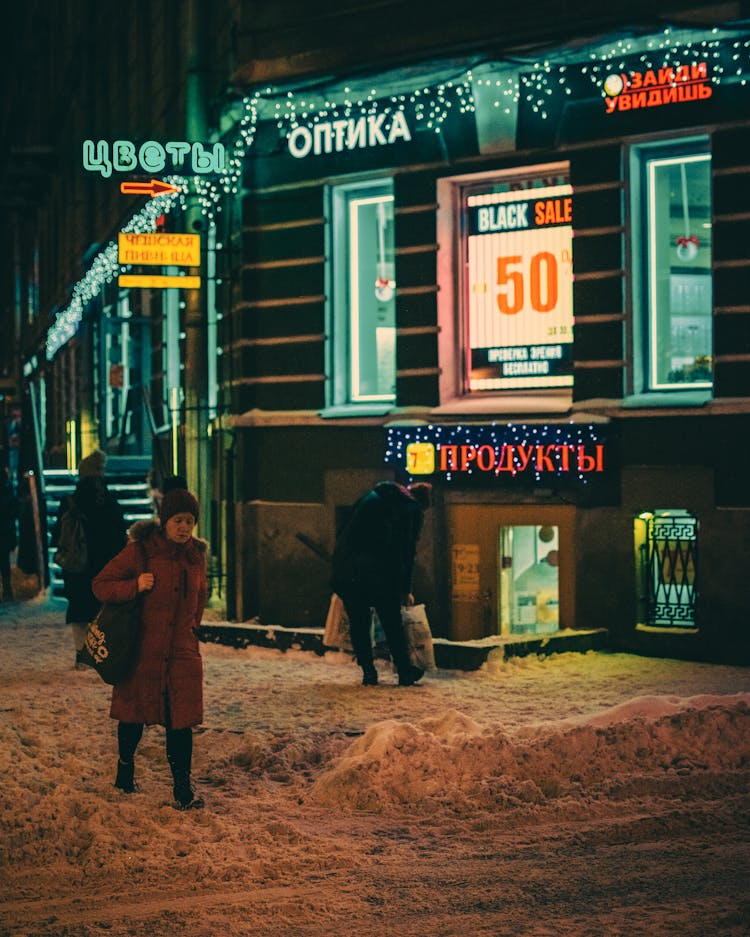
106 268
430 104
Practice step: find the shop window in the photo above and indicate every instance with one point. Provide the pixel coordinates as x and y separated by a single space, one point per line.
505 272
666 544
672 284
529 587
361 288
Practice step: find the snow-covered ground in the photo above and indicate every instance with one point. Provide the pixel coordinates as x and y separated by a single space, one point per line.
580 795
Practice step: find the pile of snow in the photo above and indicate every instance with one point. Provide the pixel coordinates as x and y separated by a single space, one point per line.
450 757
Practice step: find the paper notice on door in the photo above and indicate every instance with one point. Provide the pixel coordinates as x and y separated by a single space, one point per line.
465 570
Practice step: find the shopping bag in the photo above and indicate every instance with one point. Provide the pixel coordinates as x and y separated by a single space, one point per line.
336 632
418 636
112 640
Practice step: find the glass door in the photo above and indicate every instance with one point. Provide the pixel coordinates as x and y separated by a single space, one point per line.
529 582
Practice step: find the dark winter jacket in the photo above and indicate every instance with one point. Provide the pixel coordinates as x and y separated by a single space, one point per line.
9 510
169 662
375 550
105 530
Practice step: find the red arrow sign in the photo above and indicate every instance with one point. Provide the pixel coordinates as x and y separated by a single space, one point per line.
155 187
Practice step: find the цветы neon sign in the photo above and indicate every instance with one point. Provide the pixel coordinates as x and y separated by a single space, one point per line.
176 156
656 87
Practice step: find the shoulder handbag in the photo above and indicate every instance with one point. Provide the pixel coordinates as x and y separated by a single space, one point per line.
114 636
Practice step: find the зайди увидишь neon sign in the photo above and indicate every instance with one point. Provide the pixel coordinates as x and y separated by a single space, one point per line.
656 87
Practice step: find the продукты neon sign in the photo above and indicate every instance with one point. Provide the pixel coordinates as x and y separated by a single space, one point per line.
533 452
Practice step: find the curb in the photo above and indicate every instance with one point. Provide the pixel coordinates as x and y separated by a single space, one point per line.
449 655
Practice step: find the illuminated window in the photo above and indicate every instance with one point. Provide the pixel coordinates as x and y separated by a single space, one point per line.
518 316
361 290
666 544
672 287
505 288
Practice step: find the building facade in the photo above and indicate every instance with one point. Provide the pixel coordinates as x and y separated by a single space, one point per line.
522 279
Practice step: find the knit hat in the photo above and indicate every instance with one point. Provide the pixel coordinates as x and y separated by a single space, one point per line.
93 464
178 501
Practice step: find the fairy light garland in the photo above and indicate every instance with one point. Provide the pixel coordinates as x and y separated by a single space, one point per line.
106 268
430 104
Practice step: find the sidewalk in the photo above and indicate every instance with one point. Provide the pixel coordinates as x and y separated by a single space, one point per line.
449 655
487 791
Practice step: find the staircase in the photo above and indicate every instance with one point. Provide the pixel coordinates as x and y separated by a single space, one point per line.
127 483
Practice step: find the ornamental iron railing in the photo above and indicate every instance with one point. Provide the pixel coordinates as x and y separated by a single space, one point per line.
669 564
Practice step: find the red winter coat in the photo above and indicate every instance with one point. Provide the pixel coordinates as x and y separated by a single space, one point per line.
169 662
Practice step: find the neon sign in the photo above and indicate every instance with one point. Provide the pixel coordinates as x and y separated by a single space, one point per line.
656 87
520 320
348 134
152 157
531 452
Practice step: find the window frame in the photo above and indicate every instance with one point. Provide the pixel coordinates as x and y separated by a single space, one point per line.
640 389
339 397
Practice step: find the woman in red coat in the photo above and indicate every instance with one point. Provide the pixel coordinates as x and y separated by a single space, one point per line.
166 686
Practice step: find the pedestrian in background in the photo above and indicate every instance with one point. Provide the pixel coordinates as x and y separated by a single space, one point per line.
373 562
9 510
105 534
166 686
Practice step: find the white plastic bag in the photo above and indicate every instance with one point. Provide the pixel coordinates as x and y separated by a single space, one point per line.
418 636
336 632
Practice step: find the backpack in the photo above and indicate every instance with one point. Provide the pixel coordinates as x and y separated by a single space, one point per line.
72 550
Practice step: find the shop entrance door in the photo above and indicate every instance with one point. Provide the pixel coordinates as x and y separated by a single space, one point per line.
529 587
512 569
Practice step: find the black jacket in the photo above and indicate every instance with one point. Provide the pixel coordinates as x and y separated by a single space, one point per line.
375 550
9 511
106 535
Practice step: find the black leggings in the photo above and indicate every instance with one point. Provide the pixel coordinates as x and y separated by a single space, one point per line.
388 607
5 565
179 744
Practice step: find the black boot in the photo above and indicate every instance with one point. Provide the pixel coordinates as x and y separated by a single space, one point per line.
409 675
184 796
369 676
124 780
